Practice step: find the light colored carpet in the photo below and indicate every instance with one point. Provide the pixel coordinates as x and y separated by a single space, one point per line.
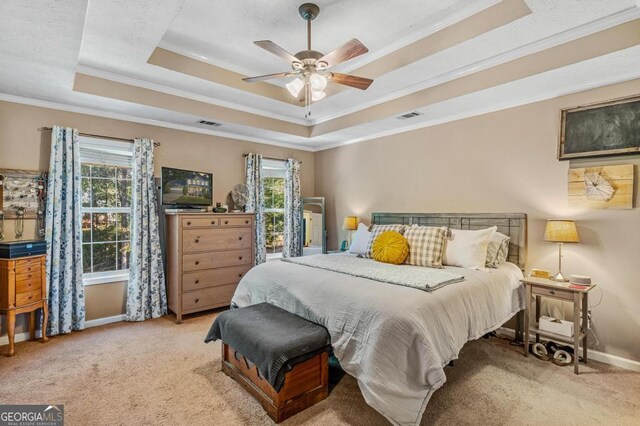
161 373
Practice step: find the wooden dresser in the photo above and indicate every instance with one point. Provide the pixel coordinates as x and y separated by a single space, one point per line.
207 255
23 289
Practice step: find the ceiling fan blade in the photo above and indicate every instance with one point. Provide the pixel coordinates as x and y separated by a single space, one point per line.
347 51
276 50
351 80
267 77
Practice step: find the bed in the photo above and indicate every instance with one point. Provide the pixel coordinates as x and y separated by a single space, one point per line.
397 340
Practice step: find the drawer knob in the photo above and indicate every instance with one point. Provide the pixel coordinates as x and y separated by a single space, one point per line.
197 240
197 300
240 274
246 222
197 281
197 262
29 269
552 292
226 222
240 238
239 257
189 223
213 222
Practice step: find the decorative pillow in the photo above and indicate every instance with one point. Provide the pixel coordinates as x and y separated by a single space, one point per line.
497 250
360 241
426 245
390 247
468 249
379 229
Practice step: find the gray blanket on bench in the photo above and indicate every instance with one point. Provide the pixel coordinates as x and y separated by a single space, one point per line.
270 337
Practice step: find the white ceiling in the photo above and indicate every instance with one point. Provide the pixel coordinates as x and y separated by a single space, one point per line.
42 47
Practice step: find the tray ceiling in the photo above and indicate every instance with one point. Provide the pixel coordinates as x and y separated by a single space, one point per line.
175 62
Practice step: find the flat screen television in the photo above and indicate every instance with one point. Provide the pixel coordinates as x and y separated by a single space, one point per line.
186 188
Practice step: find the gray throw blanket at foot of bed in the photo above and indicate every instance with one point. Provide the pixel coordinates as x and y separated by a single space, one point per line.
270 337
419 277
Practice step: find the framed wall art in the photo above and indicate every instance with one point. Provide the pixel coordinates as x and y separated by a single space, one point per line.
601 129
602 187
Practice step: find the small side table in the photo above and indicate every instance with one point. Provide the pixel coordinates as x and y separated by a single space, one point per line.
23 290
542 287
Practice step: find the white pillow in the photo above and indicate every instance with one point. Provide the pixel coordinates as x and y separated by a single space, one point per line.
360 242
468 249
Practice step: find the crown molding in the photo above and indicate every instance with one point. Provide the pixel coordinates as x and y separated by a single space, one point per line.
83 69
594 84
142 120
580 31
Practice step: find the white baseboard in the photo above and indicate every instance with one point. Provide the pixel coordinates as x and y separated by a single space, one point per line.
603 357
22 337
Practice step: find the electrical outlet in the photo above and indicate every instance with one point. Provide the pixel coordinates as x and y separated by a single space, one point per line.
589 319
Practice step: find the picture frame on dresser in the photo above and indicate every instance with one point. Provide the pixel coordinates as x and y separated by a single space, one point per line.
207 256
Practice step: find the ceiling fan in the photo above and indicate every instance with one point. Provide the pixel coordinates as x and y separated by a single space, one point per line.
310 67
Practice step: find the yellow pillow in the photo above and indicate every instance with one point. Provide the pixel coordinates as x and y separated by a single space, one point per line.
390 247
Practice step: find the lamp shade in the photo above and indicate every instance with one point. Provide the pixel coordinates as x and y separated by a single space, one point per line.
561 231
350 223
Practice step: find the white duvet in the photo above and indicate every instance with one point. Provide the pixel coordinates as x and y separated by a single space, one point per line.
394 340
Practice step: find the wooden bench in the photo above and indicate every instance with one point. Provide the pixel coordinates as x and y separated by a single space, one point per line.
279 358
306 384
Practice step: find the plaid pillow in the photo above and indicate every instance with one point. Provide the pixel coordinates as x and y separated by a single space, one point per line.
426 245
377 230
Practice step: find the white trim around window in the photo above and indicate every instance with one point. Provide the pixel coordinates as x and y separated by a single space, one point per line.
106 277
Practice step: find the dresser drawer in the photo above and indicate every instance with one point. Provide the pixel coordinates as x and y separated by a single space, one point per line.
27 265
196 240
199 261
200 222
25 286
23 299
213 277
235 221
27 275
552 292
208 297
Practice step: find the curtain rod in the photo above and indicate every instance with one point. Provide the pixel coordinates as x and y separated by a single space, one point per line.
270 158
91 135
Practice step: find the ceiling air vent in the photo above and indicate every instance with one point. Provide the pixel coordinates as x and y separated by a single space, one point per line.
208 123
408 115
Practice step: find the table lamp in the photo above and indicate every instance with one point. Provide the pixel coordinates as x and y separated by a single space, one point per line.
350 224
561 231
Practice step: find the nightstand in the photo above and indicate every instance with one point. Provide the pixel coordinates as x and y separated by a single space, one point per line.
542 287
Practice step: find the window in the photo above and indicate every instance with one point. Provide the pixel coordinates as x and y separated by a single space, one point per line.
106 209
273 181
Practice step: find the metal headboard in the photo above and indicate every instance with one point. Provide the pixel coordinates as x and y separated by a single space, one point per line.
512 224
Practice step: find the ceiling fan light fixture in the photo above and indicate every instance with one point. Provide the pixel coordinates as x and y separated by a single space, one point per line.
295 87
318 82
316 95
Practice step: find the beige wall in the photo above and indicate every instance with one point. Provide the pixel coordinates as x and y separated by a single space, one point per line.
22 146
500 162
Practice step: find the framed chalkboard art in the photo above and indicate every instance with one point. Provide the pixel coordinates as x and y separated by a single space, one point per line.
602 129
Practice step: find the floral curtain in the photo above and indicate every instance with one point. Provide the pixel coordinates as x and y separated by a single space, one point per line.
292 210
146 296
255 203
63 234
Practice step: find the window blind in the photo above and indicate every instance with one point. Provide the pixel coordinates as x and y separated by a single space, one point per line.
107 152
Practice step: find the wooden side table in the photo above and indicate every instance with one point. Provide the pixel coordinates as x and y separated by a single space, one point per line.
542 287
23 289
